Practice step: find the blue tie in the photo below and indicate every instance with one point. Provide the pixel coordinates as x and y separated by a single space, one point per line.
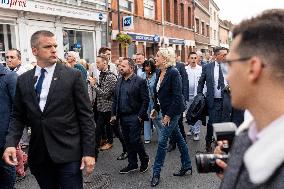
38 86
221 84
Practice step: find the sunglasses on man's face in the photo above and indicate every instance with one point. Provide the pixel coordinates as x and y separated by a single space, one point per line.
193 57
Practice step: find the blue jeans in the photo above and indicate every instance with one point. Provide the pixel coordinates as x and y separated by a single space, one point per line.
7 174
147 130
164 134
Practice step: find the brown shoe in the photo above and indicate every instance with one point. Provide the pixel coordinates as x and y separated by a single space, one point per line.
107 146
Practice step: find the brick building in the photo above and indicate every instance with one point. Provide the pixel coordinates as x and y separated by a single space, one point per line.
202 22
214 24
225 35
155 23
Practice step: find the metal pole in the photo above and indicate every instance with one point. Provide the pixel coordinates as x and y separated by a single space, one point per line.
118 23
163 22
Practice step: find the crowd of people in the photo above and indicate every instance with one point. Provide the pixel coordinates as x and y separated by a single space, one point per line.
66 111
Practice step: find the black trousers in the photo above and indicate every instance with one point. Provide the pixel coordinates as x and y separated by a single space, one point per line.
131 129
104 126
50 175
215 116
173 139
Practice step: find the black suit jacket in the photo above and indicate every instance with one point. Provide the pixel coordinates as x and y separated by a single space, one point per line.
207 76
65 129
138 97
169 94
184 79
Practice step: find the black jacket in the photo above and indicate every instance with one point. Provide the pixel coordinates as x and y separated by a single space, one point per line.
138 97
169 94
65 129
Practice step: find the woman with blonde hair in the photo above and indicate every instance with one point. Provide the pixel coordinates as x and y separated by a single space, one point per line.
169 100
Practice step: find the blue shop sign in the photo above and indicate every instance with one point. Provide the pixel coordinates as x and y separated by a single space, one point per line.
147 38
177 41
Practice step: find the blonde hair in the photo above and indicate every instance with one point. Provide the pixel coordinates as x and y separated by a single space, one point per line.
169 54
83 62
75 55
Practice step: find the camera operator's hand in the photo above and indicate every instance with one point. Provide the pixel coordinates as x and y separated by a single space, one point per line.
220 163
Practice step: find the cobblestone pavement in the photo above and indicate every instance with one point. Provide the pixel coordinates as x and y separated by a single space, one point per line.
106 174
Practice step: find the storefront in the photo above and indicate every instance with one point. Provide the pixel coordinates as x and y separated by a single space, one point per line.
76 28
148 44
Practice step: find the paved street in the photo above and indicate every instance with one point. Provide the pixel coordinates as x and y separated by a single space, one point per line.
106 174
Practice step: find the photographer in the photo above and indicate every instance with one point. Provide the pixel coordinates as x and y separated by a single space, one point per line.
255 76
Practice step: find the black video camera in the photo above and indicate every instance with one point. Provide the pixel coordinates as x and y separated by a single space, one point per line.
206 163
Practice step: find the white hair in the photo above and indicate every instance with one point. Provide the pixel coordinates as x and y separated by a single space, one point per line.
199 53
169 54
75 55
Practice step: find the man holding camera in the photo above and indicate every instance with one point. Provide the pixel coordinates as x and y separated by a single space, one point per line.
256 82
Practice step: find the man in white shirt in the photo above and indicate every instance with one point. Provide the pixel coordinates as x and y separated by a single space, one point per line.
193 71
140 58
14 63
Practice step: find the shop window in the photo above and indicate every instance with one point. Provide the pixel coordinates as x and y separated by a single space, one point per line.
126 5
7 40
79 41
149 9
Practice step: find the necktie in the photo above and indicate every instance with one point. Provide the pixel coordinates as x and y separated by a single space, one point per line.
221 84
38 86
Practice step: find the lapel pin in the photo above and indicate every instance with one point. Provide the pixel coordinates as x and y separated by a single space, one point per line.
55 78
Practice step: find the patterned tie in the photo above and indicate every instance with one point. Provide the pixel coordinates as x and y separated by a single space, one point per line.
221 84
38 86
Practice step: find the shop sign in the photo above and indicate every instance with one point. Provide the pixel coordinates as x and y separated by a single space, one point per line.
13 3
52 9
127 23
177 41
147 38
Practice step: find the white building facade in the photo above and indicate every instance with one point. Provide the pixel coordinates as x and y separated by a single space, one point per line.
214 24
77 24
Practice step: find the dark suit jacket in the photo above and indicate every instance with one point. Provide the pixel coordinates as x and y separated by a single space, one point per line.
184 79
229 113
65 129
138 97
207 76
170 93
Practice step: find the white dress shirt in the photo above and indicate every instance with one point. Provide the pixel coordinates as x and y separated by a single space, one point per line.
46 83
194 74
217 92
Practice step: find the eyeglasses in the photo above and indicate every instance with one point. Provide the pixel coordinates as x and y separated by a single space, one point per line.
237 60
193 57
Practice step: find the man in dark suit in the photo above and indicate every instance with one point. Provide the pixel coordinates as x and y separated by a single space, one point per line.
130 104
213 75
8 80
53 100
184 78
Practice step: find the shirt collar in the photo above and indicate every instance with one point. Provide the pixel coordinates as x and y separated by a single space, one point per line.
48 69
254 134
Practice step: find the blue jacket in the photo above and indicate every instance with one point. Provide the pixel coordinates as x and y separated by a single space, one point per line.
169 94
8 80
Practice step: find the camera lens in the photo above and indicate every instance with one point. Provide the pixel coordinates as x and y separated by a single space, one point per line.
206 163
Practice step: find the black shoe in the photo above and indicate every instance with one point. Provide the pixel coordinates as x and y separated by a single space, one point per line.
144 166
128 169
123 156
208 147
171 147
182 172
155 180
